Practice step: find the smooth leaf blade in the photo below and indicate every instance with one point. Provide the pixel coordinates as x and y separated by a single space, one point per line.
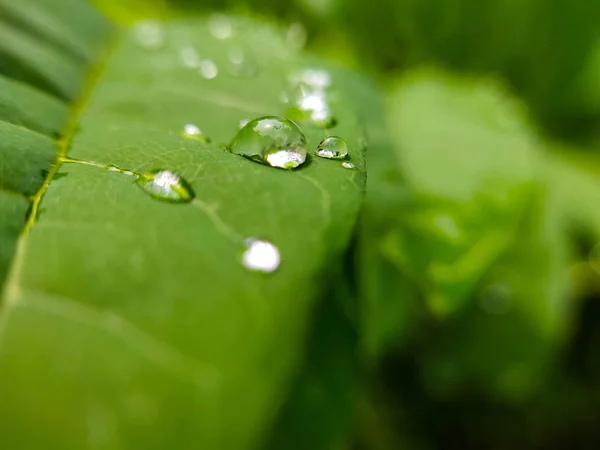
149 299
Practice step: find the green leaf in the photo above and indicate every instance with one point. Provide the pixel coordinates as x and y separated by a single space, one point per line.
507 341
320 408
468 162
131 323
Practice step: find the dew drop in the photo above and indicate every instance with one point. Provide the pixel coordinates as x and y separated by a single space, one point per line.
317 79
192 131
149 34
189 57
208 69
311 106
271 140
348 165
332 147
165 185
260 256
220 26
239 64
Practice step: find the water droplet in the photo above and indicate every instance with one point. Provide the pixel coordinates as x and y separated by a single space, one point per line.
239 64
348 165
149 34
260 256
271 140
318 79
208 69
220 26
165 185
189 57
332 147
192 131
311 106
296 35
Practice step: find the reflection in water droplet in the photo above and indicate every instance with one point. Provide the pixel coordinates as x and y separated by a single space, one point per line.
189 57
260 256
348 165
208 69
272 140
495 299
149 34
192 131
239 64
165 185
332 147
296 35
220 26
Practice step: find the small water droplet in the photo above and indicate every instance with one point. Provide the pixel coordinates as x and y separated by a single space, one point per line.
296 35
192 131
332 147
149 34
311 106
165 185
208 69
348 165
239 64
220 26
271 140
315 78
189 57
260 256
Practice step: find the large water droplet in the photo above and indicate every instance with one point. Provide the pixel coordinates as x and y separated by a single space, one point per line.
189 57
149 34
271 140
260 256
220 26
332 147
348 165
239 64
192 131
165 185
208 69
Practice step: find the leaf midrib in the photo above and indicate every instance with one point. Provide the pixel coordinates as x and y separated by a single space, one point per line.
11 287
